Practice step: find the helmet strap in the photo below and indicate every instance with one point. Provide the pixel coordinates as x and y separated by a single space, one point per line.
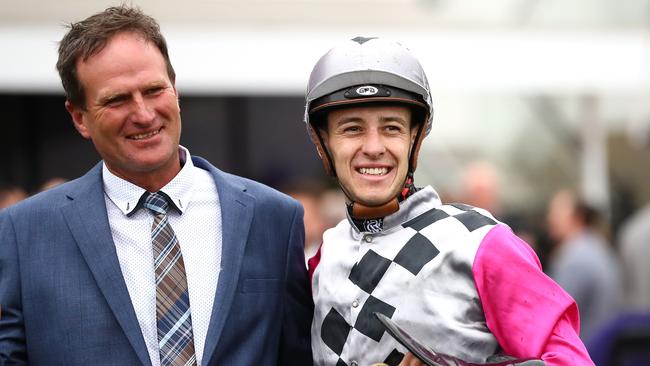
409 188
361 211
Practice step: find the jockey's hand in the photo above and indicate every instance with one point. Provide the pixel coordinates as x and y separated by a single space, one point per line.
410 360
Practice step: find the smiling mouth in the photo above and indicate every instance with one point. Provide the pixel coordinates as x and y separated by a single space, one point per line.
373 171
143 136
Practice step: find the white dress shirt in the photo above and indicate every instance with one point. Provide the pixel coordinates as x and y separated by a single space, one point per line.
197 224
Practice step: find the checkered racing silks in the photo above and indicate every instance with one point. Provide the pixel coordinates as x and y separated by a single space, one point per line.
417 271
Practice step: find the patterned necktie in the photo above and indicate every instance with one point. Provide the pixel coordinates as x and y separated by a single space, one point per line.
175 339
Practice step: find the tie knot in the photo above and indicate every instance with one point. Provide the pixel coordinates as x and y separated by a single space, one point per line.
156 203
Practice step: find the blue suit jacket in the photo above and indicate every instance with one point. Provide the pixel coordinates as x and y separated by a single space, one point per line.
65 302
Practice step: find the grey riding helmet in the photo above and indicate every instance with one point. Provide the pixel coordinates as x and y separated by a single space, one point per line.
367 70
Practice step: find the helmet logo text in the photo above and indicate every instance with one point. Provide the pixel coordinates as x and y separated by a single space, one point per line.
367 90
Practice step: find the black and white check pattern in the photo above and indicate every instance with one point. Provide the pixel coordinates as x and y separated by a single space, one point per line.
371 271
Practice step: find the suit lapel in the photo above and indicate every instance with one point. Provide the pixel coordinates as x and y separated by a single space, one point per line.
237 209
88 221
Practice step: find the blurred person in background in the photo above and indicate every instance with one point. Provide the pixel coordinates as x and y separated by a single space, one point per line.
51 183
451 275
153 257
333 207
310 195
582 261
634 247
480 186
10 195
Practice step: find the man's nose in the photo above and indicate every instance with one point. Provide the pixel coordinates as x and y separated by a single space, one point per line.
373 144
141 111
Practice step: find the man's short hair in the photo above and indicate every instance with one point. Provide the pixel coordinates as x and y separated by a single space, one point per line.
89 36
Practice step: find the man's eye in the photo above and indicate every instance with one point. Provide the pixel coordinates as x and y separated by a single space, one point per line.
114 101
154 91
352 129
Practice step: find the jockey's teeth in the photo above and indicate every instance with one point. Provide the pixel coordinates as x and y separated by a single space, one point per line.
373 171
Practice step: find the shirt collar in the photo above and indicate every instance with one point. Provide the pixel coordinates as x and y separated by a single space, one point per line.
126 195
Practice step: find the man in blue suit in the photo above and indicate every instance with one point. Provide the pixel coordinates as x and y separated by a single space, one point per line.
153 257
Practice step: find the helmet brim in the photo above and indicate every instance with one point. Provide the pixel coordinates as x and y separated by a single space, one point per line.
367 93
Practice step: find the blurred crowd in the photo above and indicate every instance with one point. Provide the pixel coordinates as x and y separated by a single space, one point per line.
324 208
11 194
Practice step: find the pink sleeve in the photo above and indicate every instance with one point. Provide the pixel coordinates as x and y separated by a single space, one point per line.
528 313
312 263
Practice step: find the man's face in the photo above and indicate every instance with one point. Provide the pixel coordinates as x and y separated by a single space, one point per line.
132 114
370 147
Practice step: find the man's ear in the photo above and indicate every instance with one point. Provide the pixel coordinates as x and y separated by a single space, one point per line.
177 96
78 118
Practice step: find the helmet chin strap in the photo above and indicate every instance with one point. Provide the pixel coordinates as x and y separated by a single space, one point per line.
361 211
